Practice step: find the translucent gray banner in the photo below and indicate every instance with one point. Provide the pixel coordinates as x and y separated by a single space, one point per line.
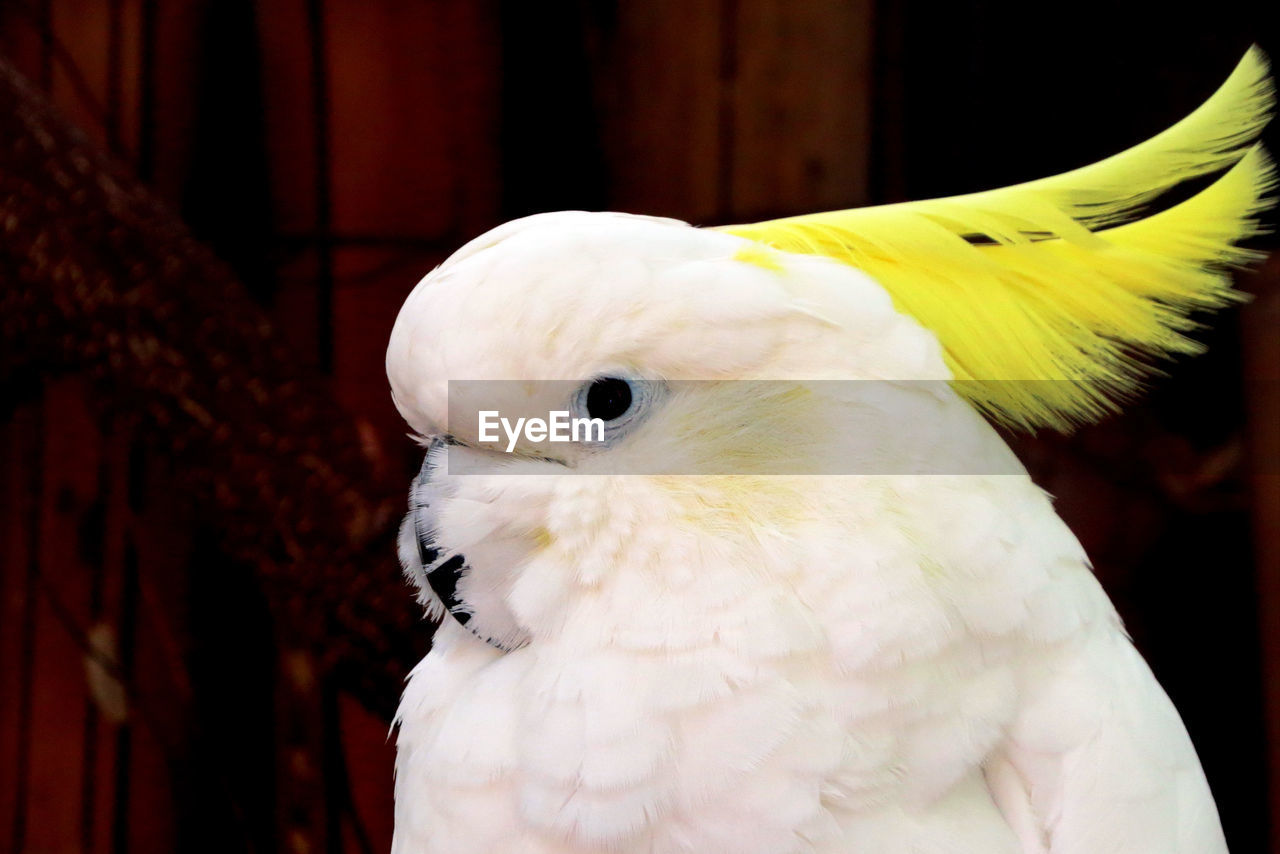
730 427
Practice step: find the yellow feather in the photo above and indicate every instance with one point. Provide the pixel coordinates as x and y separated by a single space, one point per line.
1050 298
759 256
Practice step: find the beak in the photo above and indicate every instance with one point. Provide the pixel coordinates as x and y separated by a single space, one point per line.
442 575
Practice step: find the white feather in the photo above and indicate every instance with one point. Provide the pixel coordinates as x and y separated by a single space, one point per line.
761 663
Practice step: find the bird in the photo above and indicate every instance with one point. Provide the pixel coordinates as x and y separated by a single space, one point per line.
794 593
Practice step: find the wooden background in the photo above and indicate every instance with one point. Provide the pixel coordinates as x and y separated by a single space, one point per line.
161 688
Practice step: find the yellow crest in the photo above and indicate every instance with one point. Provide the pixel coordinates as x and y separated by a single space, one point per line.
1064 278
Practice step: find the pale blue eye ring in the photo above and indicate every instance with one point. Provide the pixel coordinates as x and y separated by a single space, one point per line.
617 403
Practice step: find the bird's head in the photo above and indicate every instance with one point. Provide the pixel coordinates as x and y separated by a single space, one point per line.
729 365
699 352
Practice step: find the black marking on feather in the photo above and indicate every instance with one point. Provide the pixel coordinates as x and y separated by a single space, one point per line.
443 579
427 554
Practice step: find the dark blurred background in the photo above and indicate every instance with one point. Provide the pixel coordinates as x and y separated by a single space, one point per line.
211 210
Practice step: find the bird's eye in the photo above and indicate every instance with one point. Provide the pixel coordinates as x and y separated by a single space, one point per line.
616 404
608 398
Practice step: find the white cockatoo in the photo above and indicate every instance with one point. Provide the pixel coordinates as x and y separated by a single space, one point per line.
799 596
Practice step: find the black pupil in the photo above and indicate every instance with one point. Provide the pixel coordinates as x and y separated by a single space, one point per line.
608 398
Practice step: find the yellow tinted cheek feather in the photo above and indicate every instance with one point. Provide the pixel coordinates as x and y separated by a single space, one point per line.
747 427
542 538
732 503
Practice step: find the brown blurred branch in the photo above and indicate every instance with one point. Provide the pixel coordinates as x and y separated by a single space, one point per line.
100 279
